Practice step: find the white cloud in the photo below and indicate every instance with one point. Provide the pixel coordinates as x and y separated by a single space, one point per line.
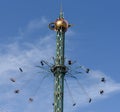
37 24
92 85
25 55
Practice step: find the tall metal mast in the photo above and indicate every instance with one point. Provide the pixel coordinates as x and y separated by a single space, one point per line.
59 69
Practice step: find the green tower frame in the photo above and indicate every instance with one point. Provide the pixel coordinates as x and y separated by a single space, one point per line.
59 74
59 69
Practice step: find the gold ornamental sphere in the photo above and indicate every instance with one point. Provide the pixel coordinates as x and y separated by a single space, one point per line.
61 23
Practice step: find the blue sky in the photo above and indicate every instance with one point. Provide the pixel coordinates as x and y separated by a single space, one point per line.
93 41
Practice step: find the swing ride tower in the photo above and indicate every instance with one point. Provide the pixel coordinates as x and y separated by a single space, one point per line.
59 69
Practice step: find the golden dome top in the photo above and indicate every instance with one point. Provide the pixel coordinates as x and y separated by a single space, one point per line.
61 24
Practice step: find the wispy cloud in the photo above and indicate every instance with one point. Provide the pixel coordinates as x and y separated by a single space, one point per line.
23 54
92 85
37 24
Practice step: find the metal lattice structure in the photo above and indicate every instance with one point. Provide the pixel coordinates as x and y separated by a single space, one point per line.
59 69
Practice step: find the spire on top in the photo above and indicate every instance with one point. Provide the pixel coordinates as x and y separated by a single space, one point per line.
61 12
60 23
